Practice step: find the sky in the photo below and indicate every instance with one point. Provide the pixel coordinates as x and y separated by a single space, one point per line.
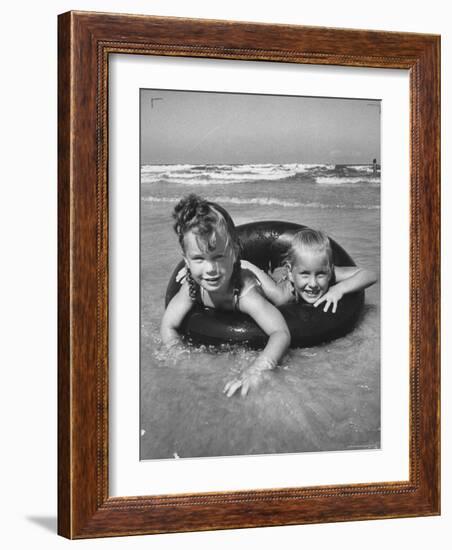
184 127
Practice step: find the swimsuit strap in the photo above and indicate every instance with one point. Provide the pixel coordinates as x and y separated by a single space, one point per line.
199 300
188 279
235 299
237 294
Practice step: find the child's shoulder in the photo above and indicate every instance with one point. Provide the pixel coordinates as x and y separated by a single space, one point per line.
247 276
281 277
248 280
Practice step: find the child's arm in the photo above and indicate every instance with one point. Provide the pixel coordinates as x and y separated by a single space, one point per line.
272 291
272 323
178 307
348 279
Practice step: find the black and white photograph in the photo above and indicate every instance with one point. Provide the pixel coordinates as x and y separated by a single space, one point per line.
259 274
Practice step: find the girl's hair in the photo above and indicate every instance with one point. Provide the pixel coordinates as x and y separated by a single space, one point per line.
206 219
312 240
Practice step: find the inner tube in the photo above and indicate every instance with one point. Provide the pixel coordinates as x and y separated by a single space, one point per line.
265 244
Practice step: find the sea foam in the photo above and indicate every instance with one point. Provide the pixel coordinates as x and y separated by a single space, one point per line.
267 201
208 174
341 180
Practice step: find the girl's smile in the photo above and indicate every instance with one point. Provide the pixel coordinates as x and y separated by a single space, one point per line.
211 262
311 275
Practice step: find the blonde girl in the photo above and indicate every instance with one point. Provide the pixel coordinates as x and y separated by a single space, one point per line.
309 275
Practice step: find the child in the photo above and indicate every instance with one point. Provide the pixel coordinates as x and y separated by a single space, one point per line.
310 275
214 278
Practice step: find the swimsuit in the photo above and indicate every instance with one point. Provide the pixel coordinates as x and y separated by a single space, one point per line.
236 296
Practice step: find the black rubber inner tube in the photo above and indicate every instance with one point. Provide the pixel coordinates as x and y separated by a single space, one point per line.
265 245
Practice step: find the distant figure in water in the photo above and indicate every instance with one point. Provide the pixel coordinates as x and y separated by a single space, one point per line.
214 278
309 274
374 167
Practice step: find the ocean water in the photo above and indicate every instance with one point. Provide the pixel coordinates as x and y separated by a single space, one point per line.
322 398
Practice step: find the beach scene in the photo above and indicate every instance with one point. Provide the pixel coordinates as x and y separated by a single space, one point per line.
322 398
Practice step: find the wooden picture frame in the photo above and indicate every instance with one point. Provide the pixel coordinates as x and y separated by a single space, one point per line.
85 42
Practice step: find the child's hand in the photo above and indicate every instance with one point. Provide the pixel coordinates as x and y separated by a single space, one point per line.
333 296
176 348
245 264
254 375
182 273
251 378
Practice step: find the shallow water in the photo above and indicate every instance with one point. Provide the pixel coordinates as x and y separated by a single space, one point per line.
319 399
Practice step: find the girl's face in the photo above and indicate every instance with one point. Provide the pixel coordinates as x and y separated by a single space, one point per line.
311 275
210 267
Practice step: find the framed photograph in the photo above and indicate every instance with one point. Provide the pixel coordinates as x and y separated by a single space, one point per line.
248 275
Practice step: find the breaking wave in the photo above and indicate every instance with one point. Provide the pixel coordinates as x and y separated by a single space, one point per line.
208 174
344 180
269 201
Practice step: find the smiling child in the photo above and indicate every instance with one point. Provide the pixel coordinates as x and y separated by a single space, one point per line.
309 274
